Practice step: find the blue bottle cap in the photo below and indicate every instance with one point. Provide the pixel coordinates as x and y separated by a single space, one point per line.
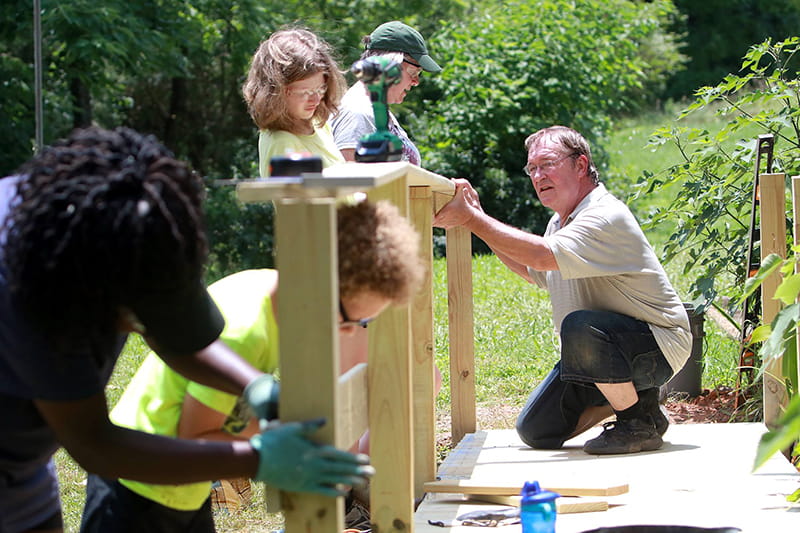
533 493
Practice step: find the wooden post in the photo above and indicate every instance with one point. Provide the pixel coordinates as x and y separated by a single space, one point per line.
773 241
462 336
424 390
309 346
390 406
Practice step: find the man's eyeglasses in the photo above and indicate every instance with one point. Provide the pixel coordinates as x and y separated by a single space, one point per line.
308 93
364 322
544 168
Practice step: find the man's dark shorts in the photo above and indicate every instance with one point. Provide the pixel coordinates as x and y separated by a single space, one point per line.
596 347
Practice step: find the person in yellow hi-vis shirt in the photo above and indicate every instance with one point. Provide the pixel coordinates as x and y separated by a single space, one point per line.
379 266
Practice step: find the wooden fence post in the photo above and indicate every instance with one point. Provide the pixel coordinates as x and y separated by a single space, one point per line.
773 241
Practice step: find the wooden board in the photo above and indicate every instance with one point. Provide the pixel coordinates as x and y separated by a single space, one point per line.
773 241
468 486
352 406
390 403
564 505
422 343
461 333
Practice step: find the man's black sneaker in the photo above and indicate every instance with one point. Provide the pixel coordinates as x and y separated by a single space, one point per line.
648 399
660 419
625 436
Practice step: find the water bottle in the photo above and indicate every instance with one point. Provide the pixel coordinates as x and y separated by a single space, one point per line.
537 509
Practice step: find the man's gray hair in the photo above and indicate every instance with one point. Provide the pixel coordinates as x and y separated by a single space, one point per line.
573 143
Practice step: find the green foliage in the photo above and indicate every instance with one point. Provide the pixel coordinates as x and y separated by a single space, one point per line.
516 67
240 235
711 211
719 32
787 436
779 339
16 93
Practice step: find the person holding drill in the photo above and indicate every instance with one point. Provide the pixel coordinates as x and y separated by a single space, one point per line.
399 43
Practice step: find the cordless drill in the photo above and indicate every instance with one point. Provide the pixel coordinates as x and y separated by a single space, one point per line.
378 74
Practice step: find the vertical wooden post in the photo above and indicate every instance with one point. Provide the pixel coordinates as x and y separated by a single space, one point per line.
773 241
462 347
390 406
424 392
309 366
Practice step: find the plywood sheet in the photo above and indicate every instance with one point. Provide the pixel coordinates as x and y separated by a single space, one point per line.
701 477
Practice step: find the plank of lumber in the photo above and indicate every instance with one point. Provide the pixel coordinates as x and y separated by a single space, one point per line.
773 241
422 342
564 505
468 486
461 333
352 406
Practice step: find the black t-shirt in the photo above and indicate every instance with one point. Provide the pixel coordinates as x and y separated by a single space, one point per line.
30 370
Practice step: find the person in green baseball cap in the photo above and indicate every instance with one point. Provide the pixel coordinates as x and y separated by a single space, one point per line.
403 44
396 36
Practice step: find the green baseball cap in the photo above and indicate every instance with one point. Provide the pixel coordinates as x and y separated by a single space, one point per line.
395 36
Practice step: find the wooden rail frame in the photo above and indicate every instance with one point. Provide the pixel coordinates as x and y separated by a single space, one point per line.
400 371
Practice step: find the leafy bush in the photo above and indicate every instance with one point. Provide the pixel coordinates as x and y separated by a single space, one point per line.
240 235
519 66
715 173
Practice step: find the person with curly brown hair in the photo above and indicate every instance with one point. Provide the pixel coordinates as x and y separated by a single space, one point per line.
101 235
379 265
293 86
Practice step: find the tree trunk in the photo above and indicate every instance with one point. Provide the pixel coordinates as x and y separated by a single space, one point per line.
177 107
81 103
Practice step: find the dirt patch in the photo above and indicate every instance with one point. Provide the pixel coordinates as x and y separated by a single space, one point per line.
711 407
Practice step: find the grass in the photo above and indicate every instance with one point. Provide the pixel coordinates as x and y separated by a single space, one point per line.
514 342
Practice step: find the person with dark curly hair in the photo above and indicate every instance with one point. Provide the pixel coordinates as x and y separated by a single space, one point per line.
102 235
293 86
379 265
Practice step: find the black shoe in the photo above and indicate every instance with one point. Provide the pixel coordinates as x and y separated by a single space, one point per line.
660 420
625 436
650 404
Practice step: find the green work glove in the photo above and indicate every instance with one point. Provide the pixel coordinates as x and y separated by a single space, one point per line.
262 397
290 461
